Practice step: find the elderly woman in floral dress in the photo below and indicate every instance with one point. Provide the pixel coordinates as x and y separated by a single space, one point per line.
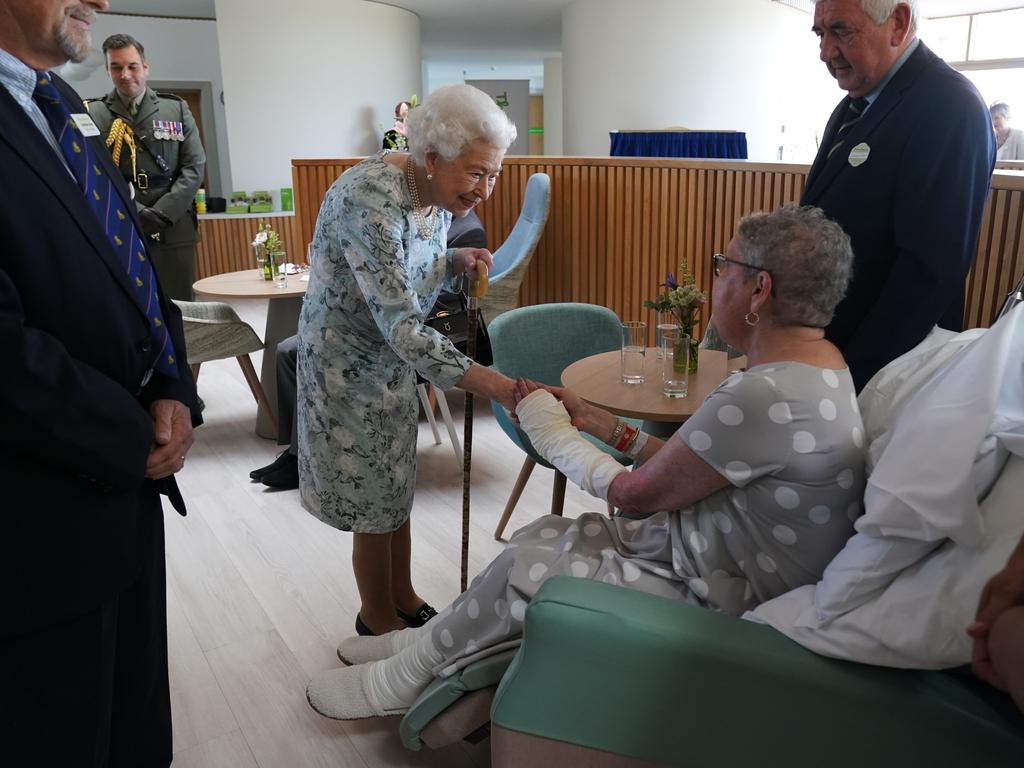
752 497
380 263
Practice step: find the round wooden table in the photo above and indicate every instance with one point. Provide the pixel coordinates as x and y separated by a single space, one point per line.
597 380
282 321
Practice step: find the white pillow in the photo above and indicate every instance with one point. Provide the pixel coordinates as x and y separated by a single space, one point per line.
918 620
929 418
883 398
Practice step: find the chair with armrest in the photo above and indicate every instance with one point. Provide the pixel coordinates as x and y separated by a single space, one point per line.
513 256
537 343
214 331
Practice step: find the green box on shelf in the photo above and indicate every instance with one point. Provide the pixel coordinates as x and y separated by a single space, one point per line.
239 203
261 202
287 202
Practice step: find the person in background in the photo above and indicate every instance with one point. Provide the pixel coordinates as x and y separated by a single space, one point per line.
395 137
381 261
904 167
752 497
166 165
1009 141
998 629
98 408
283 472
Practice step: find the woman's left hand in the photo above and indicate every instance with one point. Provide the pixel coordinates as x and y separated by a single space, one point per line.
465 260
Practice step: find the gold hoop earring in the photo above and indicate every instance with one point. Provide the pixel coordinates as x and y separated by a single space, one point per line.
751 322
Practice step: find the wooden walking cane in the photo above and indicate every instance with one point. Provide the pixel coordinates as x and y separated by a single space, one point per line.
477 290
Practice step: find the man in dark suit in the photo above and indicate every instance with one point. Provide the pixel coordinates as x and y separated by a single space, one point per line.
283 472
904 167
97 407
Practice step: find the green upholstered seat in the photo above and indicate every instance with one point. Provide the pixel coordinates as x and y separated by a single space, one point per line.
629 673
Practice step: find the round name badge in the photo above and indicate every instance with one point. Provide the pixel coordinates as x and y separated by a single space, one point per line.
859 154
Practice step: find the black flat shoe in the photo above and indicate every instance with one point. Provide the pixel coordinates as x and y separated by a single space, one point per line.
362 629
283 459
423 614
285 476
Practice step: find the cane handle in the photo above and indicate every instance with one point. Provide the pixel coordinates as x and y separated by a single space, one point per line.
478 285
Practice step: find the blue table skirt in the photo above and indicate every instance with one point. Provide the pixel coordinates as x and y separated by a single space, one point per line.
680 144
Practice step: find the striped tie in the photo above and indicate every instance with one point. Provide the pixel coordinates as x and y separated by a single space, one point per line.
111 212
853 113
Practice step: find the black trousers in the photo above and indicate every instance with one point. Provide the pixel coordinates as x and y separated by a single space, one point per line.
93 690
287 362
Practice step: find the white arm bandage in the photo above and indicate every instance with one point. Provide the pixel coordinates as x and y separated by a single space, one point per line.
547 423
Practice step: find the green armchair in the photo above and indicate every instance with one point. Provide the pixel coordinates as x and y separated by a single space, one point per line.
610 676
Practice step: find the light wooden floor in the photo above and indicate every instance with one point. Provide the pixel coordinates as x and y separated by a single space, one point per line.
260 592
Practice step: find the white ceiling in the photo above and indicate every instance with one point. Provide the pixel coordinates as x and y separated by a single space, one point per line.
494 31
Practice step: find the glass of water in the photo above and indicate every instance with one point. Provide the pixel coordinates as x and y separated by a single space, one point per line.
634 351
675 358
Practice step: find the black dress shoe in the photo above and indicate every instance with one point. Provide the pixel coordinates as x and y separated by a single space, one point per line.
422 615
282 459
362 629
285 476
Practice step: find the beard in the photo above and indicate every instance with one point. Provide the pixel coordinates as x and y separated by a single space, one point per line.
74 45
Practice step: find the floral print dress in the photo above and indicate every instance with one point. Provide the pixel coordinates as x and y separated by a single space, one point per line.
361 341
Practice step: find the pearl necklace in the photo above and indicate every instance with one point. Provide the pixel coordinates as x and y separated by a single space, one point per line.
425 229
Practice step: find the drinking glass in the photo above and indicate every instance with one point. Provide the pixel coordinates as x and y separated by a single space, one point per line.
664 323
675 368
634 350
260 260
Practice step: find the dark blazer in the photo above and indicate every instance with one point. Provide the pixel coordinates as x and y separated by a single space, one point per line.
76 430
912 209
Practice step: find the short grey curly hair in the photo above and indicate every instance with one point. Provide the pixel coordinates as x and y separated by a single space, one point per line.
880 10
1000 109
809 257
453 117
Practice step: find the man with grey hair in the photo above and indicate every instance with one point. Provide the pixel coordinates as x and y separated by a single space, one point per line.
97 401
904 167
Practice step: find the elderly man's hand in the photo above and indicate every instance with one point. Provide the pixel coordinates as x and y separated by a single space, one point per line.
1003 591
172 438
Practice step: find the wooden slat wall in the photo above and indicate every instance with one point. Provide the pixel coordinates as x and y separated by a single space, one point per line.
617 225
225 244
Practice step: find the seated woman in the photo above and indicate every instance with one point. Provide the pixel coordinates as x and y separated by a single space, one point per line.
751 498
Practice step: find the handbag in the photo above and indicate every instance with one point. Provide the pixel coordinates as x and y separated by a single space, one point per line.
450 316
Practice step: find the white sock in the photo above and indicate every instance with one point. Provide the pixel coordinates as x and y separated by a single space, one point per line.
360 649
395 683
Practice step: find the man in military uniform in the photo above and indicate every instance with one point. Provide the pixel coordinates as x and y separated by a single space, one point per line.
155 143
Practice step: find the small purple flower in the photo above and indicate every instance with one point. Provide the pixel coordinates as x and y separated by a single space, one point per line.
670 282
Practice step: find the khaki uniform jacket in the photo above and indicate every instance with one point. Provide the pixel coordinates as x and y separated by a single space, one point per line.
185 160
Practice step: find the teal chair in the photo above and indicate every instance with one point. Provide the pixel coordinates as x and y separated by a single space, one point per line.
607 676
513 256
537 343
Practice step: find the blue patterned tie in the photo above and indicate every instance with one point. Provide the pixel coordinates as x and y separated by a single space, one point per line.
111 213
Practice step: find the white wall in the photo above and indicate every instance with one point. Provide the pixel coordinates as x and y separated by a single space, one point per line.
749 65
553 105
308 79
178 50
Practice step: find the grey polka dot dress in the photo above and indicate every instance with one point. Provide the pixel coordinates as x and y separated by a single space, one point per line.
789 439
361 338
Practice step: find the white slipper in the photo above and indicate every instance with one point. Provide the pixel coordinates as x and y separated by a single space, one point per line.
343 694
361 649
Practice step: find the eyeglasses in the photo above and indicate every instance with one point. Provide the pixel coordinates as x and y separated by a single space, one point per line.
718 258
